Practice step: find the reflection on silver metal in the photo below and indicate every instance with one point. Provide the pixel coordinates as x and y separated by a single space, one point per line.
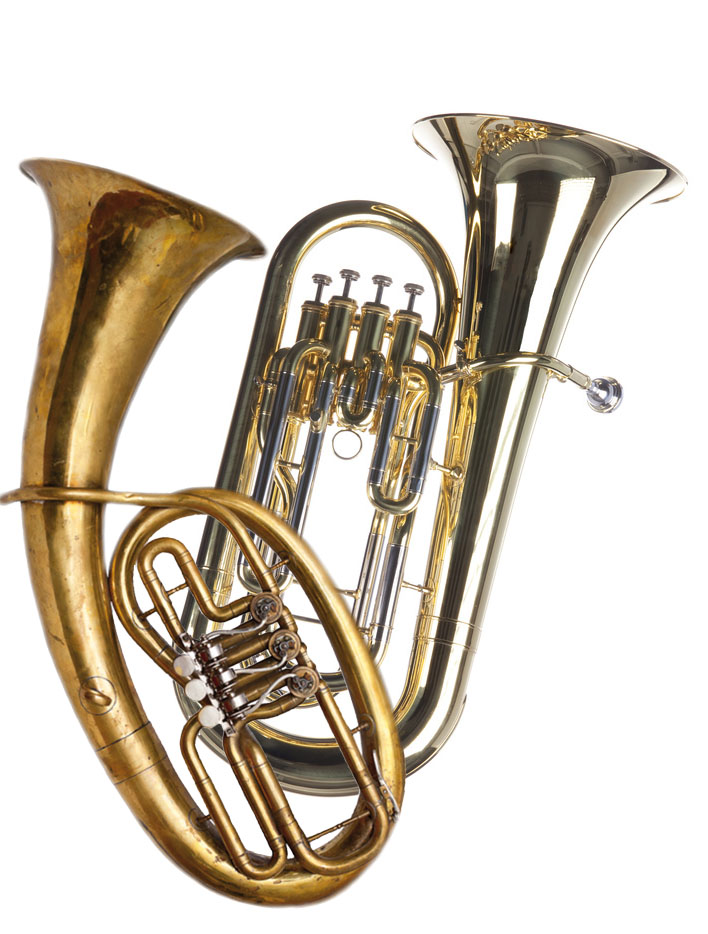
539 201
604 394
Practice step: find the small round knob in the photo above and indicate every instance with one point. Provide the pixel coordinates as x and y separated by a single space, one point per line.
349 276
209 716
184 665
195 689
320 280
413 290
381 283
604 394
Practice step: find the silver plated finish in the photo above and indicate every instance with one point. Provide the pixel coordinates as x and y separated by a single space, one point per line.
540 199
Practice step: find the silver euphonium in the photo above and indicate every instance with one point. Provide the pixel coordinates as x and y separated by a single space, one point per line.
539 201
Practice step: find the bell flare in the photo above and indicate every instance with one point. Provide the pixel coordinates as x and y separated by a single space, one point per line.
64 182
126 255
539 201
472 139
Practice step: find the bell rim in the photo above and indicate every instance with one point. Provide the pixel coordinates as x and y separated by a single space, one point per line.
675 178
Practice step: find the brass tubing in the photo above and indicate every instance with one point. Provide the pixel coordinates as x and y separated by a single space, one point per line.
281 406
264 405
292 831
386 430
254 795
380 625
218 813
563 191
279 500
368 368
310 320
373 570
389 588
407 500
432 348
188 567
372 375
313 448
371 332
235 471
276 707
323 833
340 313
376 578
369 566
505 361
257 679
406 328
125 256
428 423
237 651
303 564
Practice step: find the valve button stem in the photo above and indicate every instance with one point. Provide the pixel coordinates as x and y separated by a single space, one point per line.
349 276
381 282
413 290
320 280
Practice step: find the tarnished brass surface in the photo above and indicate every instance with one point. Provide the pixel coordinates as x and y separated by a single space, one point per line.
357 844
539 201
125 256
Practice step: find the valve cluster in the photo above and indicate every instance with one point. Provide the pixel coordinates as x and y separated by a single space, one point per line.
233 672
322 280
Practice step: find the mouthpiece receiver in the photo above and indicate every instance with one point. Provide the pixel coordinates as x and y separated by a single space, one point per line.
604 394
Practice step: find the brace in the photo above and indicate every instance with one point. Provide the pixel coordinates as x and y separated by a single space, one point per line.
604 394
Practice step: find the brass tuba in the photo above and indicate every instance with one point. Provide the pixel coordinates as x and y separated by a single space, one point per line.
539 200
125 256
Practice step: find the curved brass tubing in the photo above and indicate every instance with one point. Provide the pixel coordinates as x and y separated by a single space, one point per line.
125 257
241 452
539 199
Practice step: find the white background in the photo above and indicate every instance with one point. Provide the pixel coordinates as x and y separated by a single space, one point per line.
572 796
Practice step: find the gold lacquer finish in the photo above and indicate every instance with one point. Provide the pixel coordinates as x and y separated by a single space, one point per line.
125 257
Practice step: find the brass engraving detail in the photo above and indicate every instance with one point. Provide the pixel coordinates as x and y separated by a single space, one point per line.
502 137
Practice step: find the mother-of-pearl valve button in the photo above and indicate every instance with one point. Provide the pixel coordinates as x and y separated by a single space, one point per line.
195 689
184 665
209 716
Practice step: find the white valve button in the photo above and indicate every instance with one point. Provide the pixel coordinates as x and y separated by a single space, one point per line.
195 689
209 716
184 665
